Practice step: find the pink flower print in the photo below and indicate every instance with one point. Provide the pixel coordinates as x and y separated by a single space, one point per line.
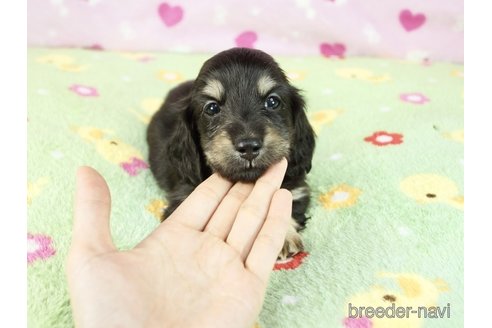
414 98
134 166
84 91
38 248
359 322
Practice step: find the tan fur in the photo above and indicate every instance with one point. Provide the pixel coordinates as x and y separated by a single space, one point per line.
293 242
214 89
275 144
221 148
265 84
218 149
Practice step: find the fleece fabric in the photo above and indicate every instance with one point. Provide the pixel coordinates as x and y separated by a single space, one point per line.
386 221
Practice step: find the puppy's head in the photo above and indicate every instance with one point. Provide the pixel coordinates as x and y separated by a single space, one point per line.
245 111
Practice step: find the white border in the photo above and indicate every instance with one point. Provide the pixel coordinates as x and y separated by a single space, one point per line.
13 173
478 162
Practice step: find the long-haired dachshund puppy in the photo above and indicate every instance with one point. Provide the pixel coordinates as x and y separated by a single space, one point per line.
237 118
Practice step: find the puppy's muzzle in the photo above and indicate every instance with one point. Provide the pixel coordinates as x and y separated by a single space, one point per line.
248 148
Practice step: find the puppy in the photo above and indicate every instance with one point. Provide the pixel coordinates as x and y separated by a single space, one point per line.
237 118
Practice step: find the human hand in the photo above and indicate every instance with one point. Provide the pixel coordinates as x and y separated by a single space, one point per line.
206 265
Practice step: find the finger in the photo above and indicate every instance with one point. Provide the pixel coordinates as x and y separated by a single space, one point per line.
253 211
91 230
271 238
221 222
197 209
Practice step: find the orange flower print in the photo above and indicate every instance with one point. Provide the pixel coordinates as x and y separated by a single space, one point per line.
340 196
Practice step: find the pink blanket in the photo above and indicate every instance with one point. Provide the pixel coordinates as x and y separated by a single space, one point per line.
410 29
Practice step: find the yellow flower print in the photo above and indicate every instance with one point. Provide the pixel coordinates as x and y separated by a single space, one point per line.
138 56
55 59
62 62
458 73
379 78
72 68
169 76
362 74
35 188
148 107
340 196
157 207
296 75
151 105
432 188
457 135
406 290
112 149
323 118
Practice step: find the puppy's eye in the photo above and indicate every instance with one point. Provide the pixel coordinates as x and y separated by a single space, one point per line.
211 108
272 102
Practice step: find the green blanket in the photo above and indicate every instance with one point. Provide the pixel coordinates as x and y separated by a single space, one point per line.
387 205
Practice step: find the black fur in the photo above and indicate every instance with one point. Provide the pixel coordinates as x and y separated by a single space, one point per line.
186 145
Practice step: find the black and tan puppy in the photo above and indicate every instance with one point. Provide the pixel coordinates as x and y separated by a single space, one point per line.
237 118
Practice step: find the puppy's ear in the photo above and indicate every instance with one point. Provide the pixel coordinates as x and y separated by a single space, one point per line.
174 153
183 144
302 145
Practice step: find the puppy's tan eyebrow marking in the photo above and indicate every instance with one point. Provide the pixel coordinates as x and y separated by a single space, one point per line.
214 89
265 84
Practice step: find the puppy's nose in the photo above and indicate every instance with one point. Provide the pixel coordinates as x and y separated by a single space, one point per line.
248 148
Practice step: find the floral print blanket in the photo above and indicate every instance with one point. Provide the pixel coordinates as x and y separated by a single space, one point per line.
386 225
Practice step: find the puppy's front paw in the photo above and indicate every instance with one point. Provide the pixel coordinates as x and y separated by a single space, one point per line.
292 245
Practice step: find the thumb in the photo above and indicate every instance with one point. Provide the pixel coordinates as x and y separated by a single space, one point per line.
91 232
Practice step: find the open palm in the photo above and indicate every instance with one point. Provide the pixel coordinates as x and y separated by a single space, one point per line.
207 265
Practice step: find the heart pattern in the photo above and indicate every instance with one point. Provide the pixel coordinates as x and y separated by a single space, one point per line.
411 21
401 30
246 39
332 50
170 15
